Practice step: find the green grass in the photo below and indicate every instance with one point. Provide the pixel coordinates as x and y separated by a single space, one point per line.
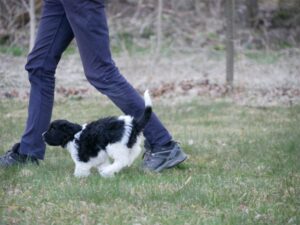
264 57
13 50
243 169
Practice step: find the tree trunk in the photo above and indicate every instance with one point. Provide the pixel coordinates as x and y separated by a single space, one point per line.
32 23
230 42
159 27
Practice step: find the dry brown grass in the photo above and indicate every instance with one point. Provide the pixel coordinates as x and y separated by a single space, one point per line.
261 78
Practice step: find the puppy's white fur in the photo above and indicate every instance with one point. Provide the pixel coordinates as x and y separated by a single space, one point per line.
120 155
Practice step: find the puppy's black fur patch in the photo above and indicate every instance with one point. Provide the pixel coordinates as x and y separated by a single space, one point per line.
97 135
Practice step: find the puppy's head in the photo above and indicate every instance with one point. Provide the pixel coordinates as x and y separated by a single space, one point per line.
60 132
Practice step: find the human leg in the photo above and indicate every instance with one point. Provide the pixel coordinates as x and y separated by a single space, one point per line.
88 21
53 36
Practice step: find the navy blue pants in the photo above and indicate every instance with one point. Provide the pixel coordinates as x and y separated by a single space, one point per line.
61 21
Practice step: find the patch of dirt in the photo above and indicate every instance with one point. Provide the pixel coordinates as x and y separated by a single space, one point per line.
257 82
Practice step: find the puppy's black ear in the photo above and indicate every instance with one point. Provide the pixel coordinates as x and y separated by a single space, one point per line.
71 128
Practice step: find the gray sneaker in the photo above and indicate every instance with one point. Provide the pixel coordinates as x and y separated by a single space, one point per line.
12 157
165 158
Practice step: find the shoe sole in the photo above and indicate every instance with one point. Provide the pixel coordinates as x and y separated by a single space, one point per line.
172 163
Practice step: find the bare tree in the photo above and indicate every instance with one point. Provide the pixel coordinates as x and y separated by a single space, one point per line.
230 43
159 27
30 7
32 23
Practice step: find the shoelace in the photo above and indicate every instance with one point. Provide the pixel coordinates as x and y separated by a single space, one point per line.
7 154
19 157
162 154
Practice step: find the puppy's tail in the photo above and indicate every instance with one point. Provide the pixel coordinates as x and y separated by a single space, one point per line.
143 120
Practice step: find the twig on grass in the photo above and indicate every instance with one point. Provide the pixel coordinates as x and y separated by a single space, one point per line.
185 184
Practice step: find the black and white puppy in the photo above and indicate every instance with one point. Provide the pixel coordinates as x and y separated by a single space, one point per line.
97 143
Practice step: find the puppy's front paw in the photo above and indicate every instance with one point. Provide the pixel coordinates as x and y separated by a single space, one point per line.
106 173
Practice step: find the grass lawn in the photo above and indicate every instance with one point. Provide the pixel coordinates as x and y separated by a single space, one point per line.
244 168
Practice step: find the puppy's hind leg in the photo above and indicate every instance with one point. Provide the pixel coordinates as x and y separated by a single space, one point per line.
121 159
110 170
